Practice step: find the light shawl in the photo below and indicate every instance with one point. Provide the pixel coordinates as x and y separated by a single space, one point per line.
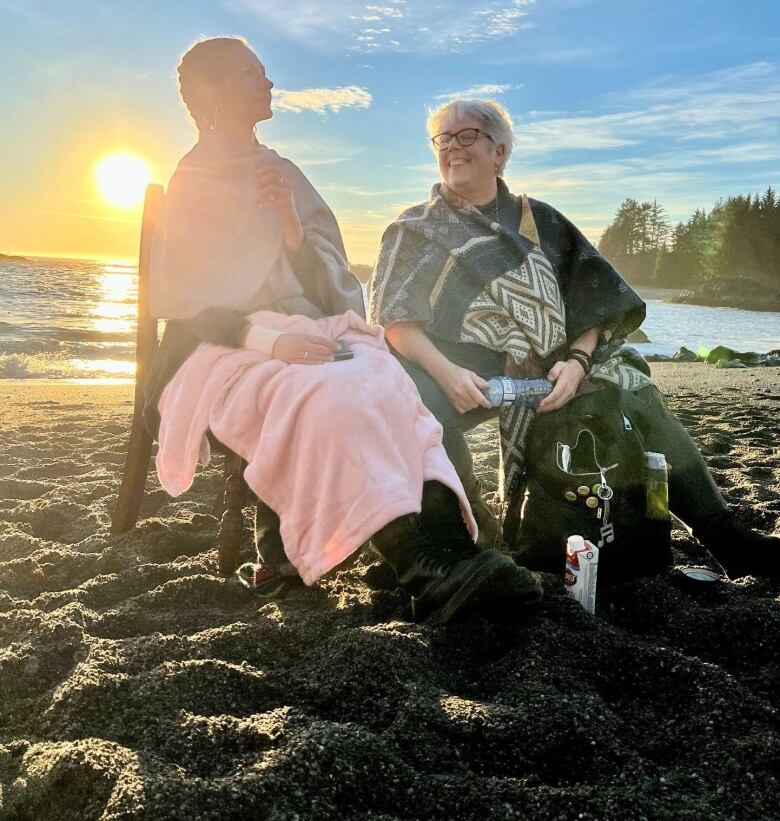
217 248
467 278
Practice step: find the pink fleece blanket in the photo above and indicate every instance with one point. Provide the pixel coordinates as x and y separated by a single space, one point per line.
337 450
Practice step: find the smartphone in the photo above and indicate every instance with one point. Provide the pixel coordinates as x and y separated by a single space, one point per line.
344 352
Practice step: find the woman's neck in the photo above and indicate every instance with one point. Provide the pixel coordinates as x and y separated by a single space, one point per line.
238 134
482 195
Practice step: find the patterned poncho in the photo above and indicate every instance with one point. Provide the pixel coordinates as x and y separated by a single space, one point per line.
523 285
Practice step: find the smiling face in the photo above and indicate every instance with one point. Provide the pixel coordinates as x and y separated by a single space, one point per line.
243 94
470 171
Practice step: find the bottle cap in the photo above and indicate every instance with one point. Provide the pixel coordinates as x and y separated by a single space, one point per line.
655 461
575 543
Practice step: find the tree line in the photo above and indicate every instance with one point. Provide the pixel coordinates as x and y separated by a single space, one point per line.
739 237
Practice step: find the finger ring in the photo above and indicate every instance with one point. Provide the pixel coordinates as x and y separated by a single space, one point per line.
306 355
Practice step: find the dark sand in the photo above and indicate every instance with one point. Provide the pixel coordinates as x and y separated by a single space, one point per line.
135 683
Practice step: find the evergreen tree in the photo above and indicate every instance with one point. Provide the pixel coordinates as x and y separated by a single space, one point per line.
632 240
739 237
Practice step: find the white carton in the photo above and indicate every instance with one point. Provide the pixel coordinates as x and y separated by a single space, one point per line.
582 567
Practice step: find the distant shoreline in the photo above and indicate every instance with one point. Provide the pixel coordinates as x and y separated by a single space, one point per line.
739 292
13 258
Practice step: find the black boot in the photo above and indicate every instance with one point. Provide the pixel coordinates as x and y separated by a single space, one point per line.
696 500
447 582
442 519
739 550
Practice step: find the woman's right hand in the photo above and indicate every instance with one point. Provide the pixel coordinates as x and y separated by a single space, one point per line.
463 388
304 349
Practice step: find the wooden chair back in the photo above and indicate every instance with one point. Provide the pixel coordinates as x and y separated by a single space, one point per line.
139 449
232 498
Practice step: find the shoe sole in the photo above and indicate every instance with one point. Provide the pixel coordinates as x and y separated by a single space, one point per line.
491 582
272 588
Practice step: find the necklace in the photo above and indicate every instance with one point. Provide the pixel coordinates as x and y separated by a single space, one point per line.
490 211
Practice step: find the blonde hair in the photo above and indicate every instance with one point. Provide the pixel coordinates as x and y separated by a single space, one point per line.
201 67
493 119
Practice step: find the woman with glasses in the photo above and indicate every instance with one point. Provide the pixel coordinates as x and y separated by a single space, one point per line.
478 282
251 273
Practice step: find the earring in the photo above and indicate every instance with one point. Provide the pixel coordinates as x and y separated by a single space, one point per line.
213 118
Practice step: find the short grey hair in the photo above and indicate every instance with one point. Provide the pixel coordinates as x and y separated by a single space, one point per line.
492 117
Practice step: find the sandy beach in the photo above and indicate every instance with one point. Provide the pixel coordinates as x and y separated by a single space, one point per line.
136 683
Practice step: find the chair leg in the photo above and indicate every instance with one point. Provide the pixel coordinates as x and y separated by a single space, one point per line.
139 448
232 527
131 493
219 507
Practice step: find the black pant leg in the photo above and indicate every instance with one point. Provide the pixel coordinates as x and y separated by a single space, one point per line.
455 424
268 540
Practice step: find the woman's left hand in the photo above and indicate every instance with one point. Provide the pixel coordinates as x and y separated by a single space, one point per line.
274 190
566 377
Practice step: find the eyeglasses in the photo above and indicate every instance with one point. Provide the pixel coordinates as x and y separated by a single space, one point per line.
464 138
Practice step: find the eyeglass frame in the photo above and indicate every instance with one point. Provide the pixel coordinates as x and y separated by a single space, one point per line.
457 139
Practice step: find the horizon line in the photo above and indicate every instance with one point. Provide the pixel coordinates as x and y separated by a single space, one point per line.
85 257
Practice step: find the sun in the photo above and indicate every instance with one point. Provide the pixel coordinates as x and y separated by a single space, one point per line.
122 179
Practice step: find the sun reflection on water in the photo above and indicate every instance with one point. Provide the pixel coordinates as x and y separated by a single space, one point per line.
113 367
115 313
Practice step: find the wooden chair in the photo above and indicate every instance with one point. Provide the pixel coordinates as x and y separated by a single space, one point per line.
230 502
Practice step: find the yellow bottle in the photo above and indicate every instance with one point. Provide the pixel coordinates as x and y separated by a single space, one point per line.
657 486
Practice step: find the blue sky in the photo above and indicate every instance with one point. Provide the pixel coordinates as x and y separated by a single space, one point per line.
667 100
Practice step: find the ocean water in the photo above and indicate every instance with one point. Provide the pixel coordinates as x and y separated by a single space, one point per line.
75 319
67 319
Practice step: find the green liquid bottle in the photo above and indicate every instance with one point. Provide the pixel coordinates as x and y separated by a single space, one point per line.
657 486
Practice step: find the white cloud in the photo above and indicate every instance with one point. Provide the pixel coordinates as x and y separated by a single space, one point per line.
322 151
392 26
685 141
322 100
731 106
504 22
589 193
378 194
477 91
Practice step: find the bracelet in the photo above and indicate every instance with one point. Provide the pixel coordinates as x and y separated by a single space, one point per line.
583 358
587 356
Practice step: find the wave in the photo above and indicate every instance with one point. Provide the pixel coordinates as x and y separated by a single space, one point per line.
49 366
11 333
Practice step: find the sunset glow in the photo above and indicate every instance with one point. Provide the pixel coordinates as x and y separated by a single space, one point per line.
598 116
122 179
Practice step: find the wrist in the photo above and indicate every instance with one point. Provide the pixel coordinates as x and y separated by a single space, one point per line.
442 369
582 358
291 224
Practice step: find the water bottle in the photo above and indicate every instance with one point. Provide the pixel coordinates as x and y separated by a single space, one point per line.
503 391
657 486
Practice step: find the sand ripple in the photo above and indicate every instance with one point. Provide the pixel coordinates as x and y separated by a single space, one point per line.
137 684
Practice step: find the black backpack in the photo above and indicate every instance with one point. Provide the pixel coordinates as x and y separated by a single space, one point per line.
586 474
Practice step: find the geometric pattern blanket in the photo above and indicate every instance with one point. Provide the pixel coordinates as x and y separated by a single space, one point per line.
467 278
